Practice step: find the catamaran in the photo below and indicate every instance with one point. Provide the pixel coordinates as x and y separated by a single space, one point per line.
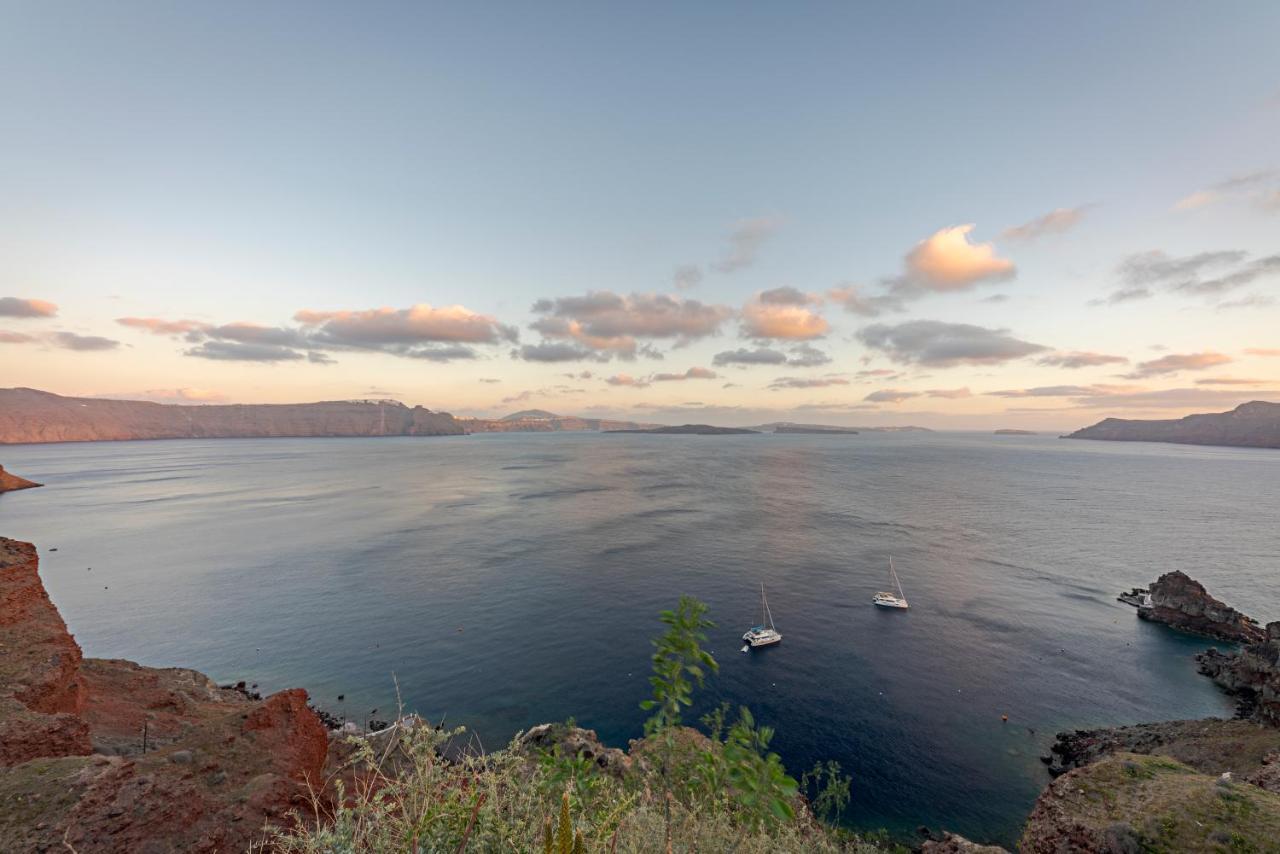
763 634
889 600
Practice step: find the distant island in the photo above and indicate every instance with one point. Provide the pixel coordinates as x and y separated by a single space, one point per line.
1008 431
690 430
1249 425
542 421
787 427
792 427
30 416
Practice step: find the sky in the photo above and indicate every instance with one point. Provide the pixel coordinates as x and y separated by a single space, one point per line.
960 216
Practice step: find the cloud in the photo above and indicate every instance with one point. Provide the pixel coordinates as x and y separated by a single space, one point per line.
26 308
315 357
877 372
1261 351
158 326
950 393
1178 362
946 262
806 382
1201 274
613 323
232 351
626 380
1250 272
1230 381
7 337
400 330
441 353
1059 391
783 314
893 395
1079 359
691 374
1257 185
1057 221
1124 295
856 302
686 276
939 344
742 356
1173 398
253 333
72 341
490 380
890 395
1250 301
1270 201
745 240
808 356
1157 268
552 352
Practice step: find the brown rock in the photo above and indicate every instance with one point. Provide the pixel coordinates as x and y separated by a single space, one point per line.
1180 601
1252 673
954 843
10 482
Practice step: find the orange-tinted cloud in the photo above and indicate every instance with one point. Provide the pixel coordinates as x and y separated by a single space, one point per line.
947 261
1178 362
783 314
26 308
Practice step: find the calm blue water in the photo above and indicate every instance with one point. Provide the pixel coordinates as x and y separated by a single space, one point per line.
507 580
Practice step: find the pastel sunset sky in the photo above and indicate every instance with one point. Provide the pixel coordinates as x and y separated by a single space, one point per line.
954 215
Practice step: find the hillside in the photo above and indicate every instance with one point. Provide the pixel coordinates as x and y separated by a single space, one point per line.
1249 425
28 415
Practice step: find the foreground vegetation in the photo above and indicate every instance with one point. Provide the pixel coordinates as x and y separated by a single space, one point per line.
679 789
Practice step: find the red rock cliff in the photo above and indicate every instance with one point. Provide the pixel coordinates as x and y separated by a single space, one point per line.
216 766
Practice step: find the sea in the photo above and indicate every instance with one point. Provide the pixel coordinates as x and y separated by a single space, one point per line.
500 581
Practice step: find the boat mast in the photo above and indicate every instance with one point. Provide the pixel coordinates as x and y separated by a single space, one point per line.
765 614
894 573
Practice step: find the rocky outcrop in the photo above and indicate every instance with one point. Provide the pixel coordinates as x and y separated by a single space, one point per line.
1131 803
569 741
28 415
954 843
10 482
1249 425
107 755
1182 602
1251 673
1211 746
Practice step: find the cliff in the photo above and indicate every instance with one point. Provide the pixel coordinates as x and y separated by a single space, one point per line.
28 415
1249 425
78 773
1182 602
10 482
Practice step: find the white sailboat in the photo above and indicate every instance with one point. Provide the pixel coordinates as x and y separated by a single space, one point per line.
763 634
889 600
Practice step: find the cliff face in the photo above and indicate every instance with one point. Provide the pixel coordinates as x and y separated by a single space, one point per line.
1252 673
1249 425
27 415
10 482
1182 602
215 766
